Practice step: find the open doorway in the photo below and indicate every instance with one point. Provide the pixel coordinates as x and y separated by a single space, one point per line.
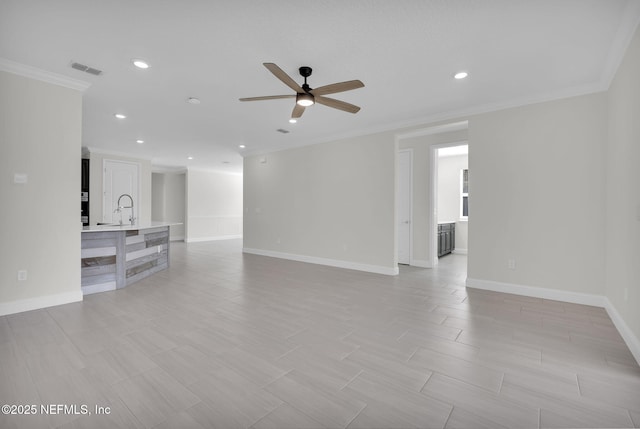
449 201
168 201
416 167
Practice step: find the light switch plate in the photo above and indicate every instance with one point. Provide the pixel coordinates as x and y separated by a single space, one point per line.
20 178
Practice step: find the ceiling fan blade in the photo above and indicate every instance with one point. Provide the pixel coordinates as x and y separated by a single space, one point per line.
267 97
337 87
298 110
280 74
337 104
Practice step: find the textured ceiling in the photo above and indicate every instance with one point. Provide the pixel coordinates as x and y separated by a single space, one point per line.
405 52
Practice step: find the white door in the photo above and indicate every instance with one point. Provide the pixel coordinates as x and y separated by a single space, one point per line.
404 206
120 178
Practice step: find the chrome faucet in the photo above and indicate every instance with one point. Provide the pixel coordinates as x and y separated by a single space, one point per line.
132 219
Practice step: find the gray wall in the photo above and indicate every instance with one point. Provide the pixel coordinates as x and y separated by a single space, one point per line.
332 201
536 185
622 226
40 126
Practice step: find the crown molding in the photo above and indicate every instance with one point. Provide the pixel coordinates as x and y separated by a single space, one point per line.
170 169
621 42
416 126
214 170
43 75
436 129
99 151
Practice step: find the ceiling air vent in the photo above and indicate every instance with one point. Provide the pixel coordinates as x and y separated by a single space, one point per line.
283 131
86 69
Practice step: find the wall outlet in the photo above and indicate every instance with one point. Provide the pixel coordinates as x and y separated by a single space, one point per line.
22 275
278 240
511 263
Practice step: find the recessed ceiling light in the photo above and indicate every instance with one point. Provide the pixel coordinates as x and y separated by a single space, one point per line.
120 116
139 141
293 120
461 75
189 157
193 100
242 146
141 64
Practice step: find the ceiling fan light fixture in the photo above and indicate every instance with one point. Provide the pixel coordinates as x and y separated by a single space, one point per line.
305 100
461 75
293 120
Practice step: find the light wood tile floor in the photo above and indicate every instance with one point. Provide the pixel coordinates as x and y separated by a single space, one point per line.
226 340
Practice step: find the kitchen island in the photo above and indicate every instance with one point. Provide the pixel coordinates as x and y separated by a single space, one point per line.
115 256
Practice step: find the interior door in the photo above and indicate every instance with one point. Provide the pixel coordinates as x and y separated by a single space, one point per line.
120 178
404 206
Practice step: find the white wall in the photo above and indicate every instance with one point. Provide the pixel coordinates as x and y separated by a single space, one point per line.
96 175
331 203
40 133
168 203
622 226
449 194
421 145
157 197
536 188
214 205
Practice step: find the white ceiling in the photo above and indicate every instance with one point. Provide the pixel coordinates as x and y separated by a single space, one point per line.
405 52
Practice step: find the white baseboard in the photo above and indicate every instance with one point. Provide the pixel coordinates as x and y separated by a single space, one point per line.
627 334
538 292
97 288
460 251
20 305
420 263
214 238
325 261
176 238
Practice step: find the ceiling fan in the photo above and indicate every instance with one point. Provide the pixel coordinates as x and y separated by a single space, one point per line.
306 96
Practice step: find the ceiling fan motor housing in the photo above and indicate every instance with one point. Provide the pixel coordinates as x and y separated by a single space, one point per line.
305 71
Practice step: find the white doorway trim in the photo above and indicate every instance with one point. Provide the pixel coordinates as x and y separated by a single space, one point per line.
433 197
408 260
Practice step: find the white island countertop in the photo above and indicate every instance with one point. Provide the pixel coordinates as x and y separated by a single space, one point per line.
126 226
